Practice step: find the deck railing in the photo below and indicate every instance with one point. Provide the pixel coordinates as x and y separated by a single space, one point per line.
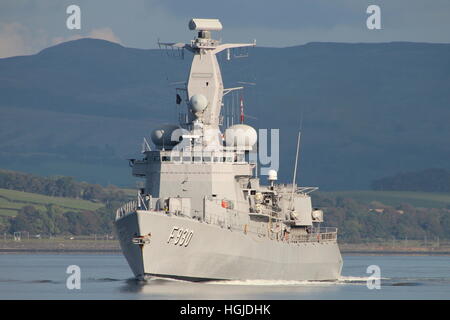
127 208
139 204
314 237
319 234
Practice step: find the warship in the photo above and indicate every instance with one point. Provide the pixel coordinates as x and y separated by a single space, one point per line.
202 213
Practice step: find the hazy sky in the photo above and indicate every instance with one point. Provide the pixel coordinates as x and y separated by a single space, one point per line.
28 26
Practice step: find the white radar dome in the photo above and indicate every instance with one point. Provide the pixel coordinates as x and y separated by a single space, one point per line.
164 135
272 175
241 135
198 103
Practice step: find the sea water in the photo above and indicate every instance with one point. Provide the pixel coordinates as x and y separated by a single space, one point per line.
44 276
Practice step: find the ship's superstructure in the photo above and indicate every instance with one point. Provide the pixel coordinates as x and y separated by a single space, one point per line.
203 213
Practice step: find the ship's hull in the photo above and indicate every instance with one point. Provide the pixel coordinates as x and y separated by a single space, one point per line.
218 253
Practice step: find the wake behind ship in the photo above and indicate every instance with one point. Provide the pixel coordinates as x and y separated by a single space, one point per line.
203 214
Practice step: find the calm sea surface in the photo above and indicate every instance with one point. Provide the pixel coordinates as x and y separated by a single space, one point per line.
40 276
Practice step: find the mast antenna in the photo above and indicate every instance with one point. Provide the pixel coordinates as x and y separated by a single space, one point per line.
294 177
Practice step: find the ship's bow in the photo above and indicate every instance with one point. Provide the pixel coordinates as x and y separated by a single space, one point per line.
128 228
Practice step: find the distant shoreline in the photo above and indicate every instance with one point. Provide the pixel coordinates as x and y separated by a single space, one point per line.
64 246
377 249
394 253
343 252
58 251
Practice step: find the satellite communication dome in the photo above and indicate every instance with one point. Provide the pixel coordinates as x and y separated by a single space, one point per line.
198 103
162 136
273 176
241 135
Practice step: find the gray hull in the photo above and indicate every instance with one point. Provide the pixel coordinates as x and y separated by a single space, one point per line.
219 253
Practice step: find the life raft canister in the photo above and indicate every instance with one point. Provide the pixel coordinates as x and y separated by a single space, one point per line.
227 204
224 204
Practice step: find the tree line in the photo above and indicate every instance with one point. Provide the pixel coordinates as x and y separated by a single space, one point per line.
429 180
54 220
358 221
58 187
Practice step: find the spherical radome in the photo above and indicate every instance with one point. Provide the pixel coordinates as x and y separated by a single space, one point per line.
198 103
162 136
272 175
241 135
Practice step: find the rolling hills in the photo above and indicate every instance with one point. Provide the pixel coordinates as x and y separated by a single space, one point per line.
12 200
82 107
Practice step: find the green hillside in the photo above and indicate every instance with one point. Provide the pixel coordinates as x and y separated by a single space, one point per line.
11 201
412 215
395 198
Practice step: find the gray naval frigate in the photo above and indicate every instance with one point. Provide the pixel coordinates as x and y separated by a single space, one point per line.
203 214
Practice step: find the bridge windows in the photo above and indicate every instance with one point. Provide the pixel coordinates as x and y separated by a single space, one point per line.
192 157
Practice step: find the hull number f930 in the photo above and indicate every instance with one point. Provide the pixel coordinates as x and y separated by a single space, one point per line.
180 236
